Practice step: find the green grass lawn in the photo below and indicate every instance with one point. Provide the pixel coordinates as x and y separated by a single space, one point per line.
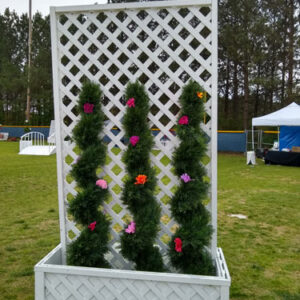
262 252
28 218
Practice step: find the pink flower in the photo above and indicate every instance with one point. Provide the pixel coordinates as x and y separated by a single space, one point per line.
88 108
92 226
101 183
184 120
178 245
185 177
131 228
130 102
134 140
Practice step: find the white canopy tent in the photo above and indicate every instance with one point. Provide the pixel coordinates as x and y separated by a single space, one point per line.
287 116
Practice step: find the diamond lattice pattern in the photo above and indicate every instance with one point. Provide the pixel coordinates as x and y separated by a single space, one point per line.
162 48
82 287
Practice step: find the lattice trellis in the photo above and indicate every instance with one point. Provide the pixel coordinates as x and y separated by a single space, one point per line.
80 287
161 44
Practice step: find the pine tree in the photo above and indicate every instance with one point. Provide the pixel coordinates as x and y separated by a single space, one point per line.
89 248
187 248
137 240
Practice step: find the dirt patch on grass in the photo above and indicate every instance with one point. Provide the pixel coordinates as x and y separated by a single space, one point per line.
240 154
46 224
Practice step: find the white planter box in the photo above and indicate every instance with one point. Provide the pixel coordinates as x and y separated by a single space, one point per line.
53 280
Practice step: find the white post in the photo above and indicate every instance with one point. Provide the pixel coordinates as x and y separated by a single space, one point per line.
253 138
214 128
39 285
59 162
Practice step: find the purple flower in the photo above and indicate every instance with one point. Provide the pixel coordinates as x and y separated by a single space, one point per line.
185 177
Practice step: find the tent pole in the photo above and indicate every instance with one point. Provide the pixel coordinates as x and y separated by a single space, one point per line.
252 138
278 137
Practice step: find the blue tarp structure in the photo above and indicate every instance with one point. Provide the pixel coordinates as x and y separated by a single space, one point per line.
232 142
19 131
289 137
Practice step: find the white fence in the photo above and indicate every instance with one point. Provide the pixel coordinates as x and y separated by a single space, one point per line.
33 138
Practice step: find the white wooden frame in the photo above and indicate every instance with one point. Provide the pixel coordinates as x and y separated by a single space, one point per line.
104 43
60 73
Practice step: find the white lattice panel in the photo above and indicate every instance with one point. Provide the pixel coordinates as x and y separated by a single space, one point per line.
163 45
73 287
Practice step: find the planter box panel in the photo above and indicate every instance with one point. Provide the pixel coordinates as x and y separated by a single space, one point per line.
69 282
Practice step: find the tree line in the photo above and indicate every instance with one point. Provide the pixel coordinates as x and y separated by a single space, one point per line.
259 58
13 69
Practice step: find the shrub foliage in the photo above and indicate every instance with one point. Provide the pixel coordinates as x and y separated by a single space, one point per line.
188 246
89 248
138 246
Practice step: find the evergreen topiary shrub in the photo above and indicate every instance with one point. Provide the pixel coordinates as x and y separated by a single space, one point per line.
188 246
89 248
138 238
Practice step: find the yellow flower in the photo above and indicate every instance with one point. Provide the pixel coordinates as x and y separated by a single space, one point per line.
200 94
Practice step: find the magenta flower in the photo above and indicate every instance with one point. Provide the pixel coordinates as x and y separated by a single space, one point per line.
185 177
130 102
88 108
184 120
92 226
131 228
134 140
101 183
178 245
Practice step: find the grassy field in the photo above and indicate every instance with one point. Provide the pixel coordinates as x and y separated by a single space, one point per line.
262 251
28 218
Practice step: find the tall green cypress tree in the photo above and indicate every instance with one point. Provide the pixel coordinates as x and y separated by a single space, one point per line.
137 241
89 248
187 248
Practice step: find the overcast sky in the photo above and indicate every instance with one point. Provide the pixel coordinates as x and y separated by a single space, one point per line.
21 6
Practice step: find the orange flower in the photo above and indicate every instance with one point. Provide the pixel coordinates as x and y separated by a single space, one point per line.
200 94
141 179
